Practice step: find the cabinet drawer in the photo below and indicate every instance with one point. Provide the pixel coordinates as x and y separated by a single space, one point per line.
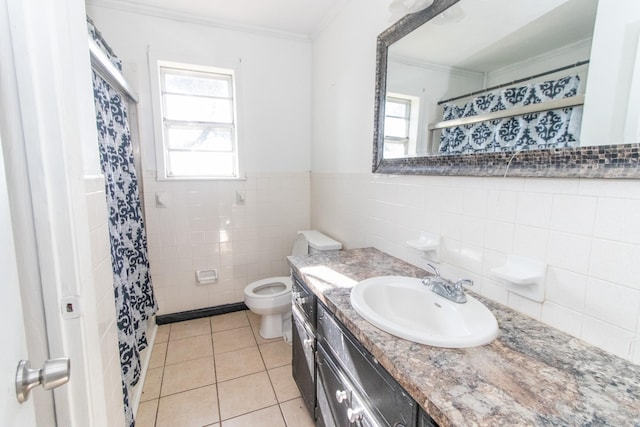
380 391
338 400
304 300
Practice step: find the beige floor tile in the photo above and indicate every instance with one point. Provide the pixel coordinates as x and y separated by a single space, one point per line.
193 408
283 383
146 416
189 349
190 328
277 353
234 320
152 383
233 339
296 414
237 363
162 335
268 417
245 394
158 355
188 375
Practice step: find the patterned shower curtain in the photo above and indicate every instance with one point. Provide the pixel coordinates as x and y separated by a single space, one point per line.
134 299
559 128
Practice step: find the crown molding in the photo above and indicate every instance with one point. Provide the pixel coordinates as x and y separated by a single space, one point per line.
164 13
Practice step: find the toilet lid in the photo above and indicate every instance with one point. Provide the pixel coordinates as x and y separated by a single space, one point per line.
300 246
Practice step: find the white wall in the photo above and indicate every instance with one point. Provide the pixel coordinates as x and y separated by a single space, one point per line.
202 226
585 230
561 57
342 94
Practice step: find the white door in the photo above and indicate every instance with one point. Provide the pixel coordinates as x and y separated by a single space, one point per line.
11 321
48 126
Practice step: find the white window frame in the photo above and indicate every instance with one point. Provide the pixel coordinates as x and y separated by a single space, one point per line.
162 171
412 119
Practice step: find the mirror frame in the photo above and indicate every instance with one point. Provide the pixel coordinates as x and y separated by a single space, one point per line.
602 161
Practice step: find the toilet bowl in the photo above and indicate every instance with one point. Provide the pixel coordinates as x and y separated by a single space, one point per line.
271 297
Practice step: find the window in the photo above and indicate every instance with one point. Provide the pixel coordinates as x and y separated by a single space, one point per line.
199 129
396 127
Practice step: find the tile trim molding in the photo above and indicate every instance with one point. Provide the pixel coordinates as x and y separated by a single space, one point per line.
199 313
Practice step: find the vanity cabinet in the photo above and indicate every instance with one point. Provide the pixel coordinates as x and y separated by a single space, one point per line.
351 388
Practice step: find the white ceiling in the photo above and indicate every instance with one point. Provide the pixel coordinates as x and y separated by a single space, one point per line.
494 33
302 17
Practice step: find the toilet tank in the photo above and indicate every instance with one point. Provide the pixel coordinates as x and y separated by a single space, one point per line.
319 242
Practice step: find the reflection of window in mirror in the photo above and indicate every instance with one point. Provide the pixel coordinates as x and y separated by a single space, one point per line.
400 125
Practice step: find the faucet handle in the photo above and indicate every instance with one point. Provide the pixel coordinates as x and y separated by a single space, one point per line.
461 282
434 270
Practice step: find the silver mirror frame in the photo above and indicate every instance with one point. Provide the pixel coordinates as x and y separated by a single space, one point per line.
603 161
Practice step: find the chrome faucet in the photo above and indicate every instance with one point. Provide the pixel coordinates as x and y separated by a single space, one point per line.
446 288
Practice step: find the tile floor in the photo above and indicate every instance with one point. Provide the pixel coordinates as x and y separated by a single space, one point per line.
220 372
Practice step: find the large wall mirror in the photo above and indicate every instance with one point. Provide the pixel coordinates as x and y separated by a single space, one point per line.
511 88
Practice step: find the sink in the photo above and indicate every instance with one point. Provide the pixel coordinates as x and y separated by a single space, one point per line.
404 307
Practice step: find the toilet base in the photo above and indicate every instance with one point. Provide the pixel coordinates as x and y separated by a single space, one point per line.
271 326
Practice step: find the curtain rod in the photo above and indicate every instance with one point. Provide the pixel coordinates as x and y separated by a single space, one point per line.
535 76
103 66
555 104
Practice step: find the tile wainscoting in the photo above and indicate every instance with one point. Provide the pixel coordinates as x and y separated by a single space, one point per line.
203 227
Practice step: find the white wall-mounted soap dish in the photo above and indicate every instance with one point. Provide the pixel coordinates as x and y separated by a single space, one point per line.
523 276
204 277
428 243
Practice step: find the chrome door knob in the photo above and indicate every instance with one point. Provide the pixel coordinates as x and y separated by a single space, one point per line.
54 373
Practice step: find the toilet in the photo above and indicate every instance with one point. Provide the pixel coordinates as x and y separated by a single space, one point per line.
271 297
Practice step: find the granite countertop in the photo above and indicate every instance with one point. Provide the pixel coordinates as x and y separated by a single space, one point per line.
532 374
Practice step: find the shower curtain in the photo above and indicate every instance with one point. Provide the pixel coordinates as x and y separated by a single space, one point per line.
559 128
134 299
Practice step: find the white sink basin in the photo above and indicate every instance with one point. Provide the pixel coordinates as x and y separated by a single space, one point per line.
406 308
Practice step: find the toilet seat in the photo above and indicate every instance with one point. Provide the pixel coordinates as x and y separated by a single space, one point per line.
271 287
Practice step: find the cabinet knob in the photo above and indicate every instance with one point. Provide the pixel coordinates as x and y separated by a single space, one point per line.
341 395
354 415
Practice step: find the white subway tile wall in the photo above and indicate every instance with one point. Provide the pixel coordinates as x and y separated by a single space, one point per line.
106 311
586 231
203 227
